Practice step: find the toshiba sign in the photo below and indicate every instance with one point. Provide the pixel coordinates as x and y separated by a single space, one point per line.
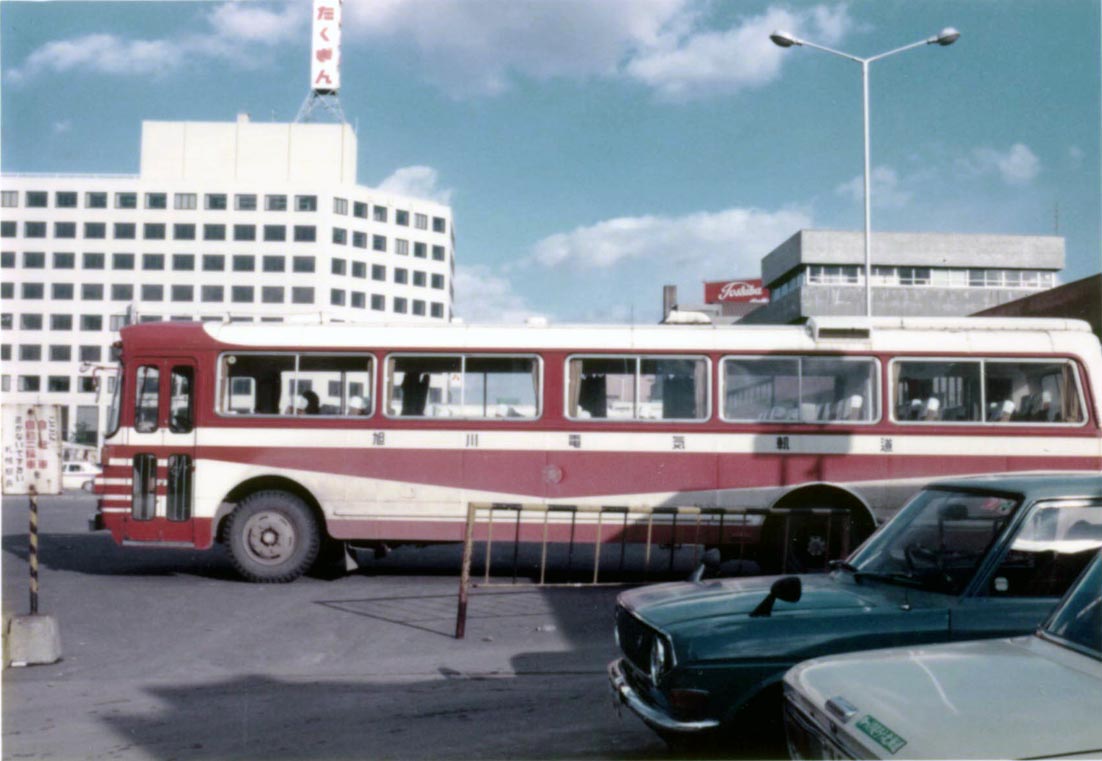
749 291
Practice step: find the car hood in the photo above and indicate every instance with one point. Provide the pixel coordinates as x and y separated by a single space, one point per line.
1012 698
669 605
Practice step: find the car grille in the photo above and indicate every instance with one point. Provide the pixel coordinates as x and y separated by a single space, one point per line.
805 740
636 639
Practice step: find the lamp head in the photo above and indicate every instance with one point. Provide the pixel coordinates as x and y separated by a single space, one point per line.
784 39
946 36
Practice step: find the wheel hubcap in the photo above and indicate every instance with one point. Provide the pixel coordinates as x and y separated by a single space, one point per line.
269 538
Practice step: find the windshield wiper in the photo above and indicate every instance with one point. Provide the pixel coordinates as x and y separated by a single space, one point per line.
844 565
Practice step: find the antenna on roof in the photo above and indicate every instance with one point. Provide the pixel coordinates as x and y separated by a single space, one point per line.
325 60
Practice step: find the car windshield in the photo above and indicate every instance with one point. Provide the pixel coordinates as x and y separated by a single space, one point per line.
1078 619
937 541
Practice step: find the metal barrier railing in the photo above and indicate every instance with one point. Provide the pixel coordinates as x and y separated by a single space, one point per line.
668 526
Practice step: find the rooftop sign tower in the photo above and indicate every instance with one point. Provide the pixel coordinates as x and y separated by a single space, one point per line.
325 61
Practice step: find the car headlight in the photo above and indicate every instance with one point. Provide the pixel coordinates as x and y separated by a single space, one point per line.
658 659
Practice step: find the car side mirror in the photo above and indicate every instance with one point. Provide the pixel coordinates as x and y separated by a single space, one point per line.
789 589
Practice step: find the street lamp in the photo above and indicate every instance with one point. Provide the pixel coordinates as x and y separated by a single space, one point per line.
947 36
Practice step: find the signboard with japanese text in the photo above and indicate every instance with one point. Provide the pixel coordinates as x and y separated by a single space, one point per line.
747 290
325 52
31 437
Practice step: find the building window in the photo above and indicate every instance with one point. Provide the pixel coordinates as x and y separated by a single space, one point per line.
272 294
274 264
336 297
65 199
153 261
359 269
125 230
401 218
378 303
306 203
118 322
183 293
439 225
95 230
7 260
30 352
214 262
61 353
35 290
340 206
419 278
87 384
122 292
305 234
37 199
64 260
339 267
156 201
359 240
242 294
34 229
421 221
211 293
216 201
153 292
61 322
183 232
91 261
7 229
59 383
34 260
126 200
94 200
61 291
419 307
244 263
185 201
378 243
400 305
65 229
302 295
302 264
245 202
379 213
122 261
359 209
31 321
438 281
275 233
401 275
9 199
358 300
214 232
420 250
340 236
436 309
183 262
29 383
90 353
378 272
401 247
91 322
244 232
275 203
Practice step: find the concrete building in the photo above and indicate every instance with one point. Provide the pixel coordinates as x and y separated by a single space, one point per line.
821 272
234 221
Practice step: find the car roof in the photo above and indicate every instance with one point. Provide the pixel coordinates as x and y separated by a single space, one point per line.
1031 485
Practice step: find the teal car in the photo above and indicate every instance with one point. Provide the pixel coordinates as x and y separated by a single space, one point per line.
964 559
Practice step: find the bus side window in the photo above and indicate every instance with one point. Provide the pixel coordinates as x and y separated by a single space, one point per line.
253 384
146 401
1021 391
181 404
937 390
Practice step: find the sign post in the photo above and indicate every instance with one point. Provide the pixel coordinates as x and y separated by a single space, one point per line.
31 436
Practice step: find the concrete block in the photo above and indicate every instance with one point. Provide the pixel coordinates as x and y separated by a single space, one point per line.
32 640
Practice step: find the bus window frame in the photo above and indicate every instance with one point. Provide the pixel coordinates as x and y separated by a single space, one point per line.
983 360
877 391
219 378
638 357
462 356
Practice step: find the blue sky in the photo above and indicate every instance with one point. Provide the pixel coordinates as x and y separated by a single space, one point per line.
594 151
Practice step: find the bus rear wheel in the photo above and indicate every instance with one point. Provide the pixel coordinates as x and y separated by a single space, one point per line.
273 537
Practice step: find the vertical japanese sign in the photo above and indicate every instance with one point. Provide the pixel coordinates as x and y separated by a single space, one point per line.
325 52
31 436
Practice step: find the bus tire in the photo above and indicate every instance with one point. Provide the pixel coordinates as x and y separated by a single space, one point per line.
273 537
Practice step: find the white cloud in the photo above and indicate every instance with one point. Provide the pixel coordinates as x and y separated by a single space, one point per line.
417 182
473 47
885 183
1076 155
1017 165
482 295
237 31
62 126
705 243
689 65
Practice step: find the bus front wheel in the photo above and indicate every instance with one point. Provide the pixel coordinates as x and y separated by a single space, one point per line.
273 537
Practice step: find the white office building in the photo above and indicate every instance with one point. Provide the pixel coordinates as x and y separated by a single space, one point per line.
236 221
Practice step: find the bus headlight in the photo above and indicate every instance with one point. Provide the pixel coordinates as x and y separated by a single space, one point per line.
659 660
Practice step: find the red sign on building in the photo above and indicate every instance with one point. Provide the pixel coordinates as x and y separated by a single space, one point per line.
744 291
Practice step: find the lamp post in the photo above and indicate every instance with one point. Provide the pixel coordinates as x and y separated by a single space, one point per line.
947 36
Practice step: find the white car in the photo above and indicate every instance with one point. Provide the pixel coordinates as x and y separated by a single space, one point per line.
74 475
1028 697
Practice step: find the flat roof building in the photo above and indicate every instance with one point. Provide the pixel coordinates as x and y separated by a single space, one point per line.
235 221
821 272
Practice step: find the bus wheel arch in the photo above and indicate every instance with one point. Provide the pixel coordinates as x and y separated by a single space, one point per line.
273 527
806 532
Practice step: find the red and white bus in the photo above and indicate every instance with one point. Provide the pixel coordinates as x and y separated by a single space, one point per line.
279 438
